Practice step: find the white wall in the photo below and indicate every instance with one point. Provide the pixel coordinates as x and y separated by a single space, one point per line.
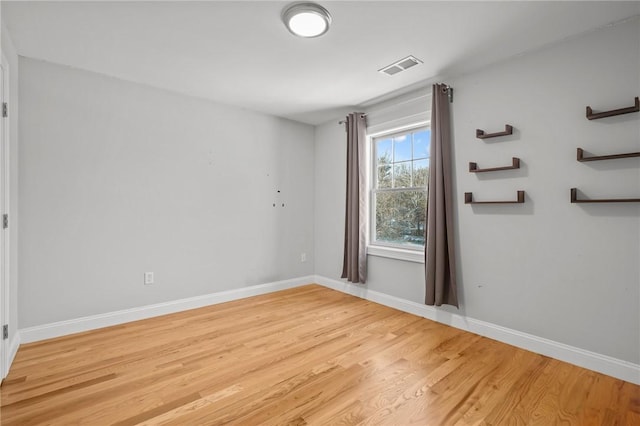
117 179
9 51
562 271
330 178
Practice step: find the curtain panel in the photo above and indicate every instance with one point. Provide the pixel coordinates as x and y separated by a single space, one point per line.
354 265
440 274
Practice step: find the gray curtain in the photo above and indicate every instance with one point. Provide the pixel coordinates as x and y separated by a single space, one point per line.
354 265
440 248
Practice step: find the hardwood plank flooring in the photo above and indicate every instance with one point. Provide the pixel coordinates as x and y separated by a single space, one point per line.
305 356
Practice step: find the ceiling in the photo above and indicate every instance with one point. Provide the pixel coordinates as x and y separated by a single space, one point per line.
239 52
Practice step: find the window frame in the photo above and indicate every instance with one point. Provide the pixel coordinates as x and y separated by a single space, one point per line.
411 253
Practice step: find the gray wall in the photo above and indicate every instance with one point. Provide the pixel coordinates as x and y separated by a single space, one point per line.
562 271
10 54
117 179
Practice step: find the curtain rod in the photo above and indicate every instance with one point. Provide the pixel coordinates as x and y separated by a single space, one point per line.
449 91
446 88
344 121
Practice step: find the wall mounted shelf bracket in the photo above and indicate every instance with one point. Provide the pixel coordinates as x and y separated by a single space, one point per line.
594 116
468 199
508 130
515 164
580 156
574 199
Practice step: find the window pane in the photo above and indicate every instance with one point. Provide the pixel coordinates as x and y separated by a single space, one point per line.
421 142
401 148
400 217
420 173
384 176
402 175
383 151
401 165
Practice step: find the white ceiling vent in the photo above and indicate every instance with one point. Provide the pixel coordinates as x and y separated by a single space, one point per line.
401 65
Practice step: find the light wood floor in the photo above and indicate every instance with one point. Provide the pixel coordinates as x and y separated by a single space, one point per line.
304 356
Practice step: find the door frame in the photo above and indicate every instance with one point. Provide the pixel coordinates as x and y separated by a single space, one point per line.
4 209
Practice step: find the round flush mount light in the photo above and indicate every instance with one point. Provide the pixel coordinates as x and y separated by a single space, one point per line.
306 19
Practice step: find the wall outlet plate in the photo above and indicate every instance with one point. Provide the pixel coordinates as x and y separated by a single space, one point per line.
148 278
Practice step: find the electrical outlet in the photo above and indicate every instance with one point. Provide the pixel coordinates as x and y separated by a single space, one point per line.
303 257
148 278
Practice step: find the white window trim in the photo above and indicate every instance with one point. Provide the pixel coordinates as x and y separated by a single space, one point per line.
408 255
380 249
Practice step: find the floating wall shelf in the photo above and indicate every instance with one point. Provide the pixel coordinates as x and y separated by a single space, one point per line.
508 130
473 167
574 199
582 158
594 116
468 199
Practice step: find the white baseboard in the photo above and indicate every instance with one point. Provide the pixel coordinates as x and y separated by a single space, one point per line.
13 349
63 328
614 367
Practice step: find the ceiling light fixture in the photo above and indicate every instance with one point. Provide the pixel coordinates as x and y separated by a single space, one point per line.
306 19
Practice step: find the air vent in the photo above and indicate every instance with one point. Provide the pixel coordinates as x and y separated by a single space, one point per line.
401 65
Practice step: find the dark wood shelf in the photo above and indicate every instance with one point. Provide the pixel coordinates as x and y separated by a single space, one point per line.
508 130
473 167
574 199
468 199
594 116
582 158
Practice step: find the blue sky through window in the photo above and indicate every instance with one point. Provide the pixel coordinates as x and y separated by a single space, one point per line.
402 161
401 148
407 147
421 142
383 149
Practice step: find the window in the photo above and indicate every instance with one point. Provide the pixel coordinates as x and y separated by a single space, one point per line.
400 169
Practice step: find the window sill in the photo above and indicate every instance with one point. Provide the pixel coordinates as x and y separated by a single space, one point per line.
416 256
